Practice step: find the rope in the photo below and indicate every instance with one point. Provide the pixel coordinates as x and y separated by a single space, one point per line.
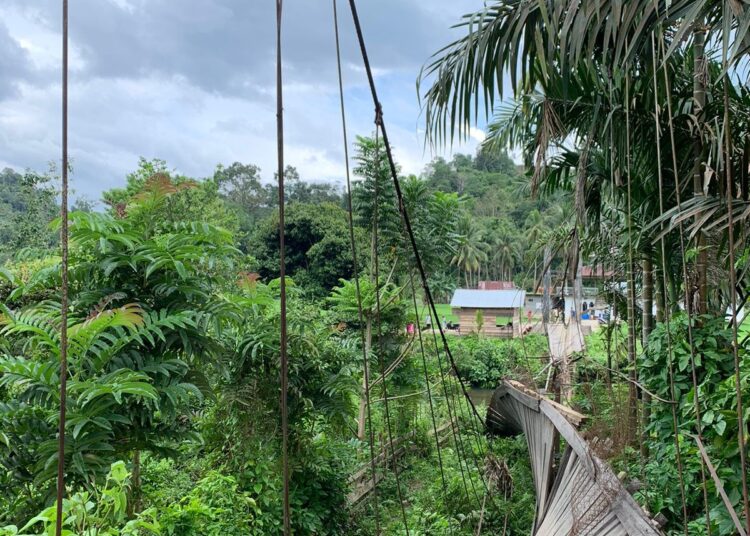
64 281
667 315
688 301
400 198
355 266
378 322
282 275
733 285
429 391
632 401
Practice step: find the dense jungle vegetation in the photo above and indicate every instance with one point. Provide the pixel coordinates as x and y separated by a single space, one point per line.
633 124
174 317
637 111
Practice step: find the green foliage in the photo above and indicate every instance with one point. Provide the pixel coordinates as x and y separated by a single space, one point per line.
479 321
139 326
27 205
718 407
483 361
98 512
214 507
318 250
156 199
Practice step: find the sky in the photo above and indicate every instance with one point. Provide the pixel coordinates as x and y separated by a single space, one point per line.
193 82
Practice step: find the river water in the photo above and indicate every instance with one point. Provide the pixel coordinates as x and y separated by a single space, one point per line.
481 397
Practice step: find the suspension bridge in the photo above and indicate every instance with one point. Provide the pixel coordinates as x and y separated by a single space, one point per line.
577 494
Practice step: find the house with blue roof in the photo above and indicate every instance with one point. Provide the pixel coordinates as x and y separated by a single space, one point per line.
495 313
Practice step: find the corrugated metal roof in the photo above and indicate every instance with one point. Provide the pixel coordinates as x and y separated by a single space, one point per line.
488 299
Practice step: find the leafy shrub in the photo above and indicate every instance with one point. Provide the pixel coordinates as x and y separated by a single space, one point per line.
101 512
483 361
215 507
714 364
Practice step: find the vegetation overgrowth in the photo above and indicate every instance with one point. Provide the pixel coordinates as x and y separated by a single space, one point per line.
633 124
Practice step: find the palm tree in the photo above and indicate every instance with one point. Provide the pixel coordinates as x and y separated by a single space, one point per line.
535 226
576 69
528 39
469 249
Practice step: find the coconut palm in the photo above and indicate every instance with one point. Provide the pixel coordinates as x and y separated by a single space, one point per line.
469 249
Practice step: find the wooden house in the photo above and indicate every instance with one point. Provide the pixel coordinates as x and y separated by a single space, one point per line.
500 311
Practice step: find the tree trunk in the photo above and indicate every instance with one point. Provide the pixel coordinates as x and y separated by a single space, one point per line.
699 98
647 327
648 300
363 399
134 504
632 391
568 374
660 293
546 284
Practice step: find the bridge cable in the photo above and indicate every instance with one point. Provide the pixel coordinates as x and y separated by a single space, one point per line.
667 312
379 324
402 209
399 196
406 219
282 275
355 266
733 279
429 391
688 303
64 280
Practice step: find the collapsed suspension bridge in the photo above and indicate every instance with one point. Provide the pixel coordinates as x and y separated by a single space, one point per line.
577 494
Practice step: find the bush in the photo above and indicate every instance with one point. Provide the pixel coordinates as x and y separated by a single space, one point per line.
484 361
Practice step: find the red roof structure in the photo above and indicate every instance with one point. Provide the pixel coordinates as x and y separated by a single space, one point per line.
595 272
496 285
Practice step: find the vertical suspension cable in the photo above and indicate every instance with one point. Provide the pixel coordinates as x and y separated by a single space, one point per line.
64 279
400 198
733 282
667 313
450 403
429 391
688 304
632 398
355 267
378 318
282 274
404 213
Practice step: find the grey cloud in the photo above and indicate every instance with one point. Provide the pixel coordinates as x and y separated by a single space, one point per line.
14 63
228 45
191 81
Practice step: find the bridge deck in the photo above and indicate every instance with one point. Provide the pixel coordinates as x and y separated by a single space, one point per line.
580 496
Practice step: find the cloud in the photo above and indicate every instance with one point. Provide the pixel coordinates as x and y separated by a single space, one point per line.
193 83
13 63
477 134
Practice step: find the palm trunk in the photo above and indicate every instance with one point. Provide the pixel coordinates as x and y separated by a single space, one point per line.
632 391
648 300
647 327
547 283
568 372
660 294
699 98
